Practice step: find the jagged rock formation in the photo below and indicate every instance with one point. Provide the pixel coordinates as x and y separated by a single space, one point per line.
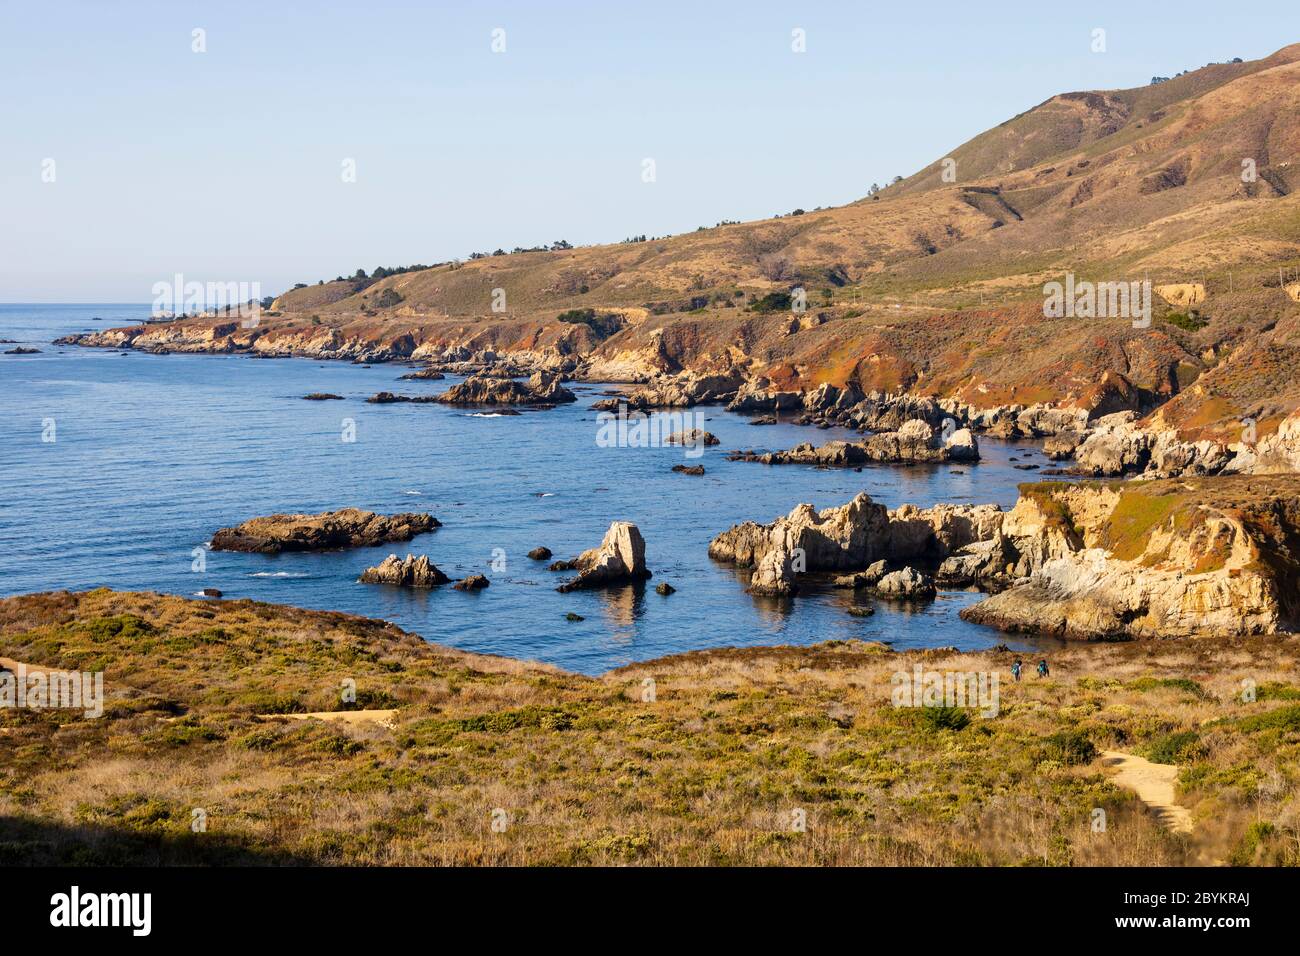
620 559
861 536
541 388
347 528
410 572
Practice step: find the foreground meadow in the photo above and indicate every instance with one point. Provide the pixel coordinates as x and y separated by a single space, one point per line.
777 755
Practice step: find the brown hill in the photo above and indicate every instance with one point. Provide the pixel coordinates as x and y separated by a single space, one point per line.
928 285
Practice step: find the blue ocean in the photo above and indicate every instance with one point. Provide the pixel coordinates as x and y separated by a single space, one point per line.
116 466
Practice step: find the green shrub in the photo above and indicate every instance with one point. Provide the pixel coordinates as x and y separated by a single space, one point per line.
1177 747
943 718
1275 691
1189 322
1283 718
1070 747
1173 683
772 302
119 627
1257 835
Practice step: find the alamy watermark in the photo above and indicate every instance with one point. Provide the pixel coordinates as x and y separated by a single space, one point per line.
966 689
241 300
53 690
635 429
1098 300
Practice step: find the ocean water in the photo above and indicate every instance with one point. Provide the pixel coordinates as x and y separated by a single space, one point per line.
152 454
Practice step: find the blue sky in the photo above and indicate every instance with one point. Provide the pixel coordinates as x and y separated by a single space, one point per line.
226 165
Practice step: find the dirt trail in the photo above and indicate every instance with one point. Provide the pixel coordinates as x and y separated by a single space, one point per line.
1154 785
9 664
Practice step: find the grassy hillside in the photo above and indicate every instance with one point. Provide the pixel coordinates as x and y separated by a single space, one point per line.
709 768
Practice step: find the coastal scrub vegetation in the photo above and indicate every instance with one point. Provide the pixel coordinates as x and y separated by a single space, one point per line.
709 769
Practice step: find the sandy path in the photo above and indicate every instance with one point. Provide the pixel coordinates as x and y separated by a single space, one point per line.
8 663
1154 785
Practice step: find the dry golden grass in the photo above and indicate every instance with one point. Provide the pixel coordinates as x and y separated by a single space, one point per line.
586 770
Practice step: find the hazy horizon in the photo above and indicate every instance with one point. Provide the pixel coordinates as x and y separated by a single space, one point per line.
227 164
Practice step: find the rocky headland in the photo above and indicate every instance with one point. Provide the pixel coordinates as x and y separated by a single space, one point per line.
1090 560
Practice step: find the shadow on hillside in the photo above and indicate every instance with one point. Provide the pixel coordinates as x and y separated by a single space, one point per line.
29 842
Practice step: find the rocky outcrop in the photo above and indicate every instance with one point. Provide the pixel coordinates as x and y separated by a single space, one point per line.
860 540
322 397
541 388
1170 558
1120 445
930 535
677 391
409 572
1278 453
475 582
759 395
692 436
845 538
907 583
915 442
1062 446
863 579
620 559
348 528
540 554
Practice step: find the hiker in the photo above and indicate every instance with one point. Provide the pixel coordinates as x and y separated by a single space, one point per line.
1015 670
1042 668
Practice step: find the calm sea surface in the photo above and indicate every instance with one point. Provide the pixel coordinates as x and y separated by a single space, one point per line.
154 453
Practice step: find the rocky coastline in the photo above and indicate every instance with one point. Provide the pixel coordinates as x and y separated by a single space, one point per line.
1111 429
1090 560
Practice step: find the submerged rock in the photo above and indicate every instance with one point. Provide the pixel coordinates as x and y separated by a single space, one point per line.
411 572
620 559
664 588
540 554
347 528
322 397
688 469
